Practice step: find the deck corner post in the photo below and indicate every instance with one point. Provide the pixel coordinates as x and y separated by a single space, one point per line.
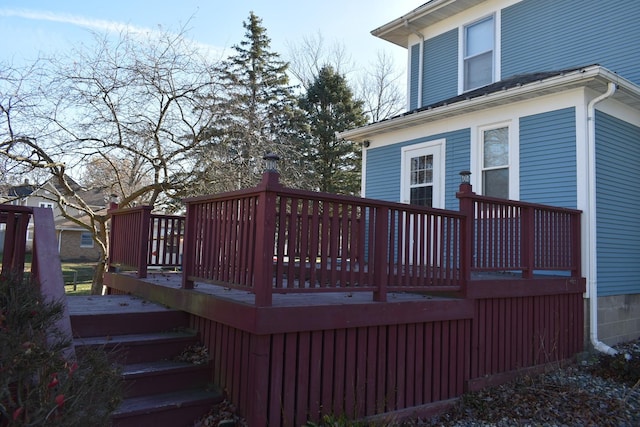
188 246
381 259
577 244
143 254
265 238
466 207
258 387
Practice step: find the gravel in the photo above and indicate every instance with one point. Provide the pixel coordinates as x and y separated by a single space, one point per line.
600 391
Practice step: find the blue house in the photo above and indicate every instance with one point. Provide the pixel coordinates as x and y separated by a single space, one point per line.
540 100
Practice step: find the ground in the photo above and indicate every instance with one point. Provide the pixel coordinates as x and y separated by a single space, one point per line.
599 391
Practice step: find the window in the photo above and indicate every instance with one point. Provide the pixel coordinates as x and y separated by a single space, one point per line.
46 205
422 169
478 54
86 240
495 162
421 186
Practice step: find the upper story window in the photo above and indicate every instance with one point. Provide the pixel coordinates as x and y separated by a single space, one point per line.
479 48
48 205
495 162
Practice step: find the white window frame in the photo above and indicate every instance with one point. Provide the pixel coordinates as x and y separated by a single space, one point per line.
48 205
496 49
513 164
438 179
83 233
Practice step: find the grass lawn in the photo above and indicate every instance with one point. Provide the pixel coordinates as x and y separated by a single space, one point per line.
77 277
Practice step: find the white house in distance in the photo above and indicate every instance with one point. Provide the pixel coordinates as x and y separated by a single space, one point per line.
540 100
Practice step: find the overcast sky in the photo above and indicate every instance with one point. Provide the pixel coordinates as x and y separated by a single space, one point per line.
32 26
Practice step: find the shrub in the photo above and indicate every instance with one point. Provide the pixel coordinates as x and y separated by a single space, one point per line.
39 384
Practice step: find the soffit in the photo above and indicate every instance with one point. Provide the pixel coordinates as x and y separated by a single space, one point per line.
399 30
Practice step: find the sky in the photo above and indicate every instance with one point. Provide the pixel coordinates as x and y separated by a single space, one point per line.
30 27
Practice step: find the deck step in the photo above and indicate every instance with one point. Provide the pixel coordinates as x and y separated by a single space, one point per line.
162 376
145 339
120 315
169 409
136 348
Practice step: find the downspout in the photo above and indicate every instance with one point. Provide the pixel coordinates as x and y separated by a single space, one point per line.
591 182
420 59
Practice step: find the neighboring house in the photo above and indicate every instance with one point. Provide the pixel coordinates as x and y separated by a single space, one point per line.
540 100
74 241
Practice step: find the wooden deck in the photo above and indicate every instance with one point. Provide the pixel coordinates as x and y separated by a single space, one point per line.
431 316
315 304
340 353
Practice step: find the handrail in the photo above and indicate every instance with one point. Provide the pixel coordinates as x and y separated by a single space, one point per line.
270 239
521 236
46 271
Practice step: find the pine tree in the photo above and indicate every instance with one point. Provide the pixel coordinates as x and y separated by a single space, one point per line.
258 114
330 107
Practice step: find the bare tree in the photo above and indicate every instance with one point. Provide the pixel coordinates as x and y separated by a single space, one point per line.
378 86
126 100
380 89
307 58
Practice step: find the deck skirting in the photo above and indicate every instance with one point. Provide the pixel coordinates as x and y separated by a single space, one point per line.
309 355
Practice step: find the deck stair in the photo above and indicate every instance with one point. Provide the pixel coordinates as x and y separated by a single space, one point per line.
145 338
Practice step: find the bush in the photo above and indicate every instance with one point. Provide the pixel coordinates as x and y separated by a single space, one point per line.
39 384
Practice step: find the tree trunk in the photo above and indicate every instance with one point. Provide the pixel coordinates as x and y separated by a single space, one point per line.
98 277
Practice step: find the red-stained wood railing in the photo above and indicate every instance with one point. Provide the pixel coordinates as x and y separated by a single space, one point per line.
16 220
507 235
46 271
140 239
273 239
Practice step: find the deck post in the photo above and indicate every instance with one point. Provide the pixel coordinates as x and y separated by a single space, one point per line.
465 199
527 239
381 257
188 247
143 254
265 237
258 387
577 246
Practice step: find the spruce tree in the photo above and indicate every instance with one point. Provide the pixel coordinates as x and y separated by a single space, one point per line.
331 107
258 114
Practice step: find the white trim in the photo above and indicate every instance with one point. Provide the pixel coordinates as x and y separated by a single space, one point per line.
496 49
558 86
363 172
514 157
439 179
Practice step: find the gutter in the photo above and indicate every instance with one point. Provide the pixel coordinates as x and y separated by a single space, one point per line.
591 229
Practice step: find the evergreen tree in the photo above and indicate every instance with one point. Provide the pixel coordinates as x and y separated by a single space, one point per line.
330 107
258 114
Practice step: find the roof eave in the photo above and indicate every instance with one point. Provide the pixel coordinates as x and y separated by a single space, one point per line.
528 91
399 30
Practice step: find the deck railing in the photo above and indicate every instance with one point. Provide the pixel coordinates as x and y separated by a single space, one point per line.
271 239
507 235
45 271
141 239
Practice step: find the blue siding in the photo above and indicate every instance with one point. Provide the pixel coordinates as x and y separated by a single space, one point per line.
440 68
617 206
543 35
414 76
383 166
548 158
